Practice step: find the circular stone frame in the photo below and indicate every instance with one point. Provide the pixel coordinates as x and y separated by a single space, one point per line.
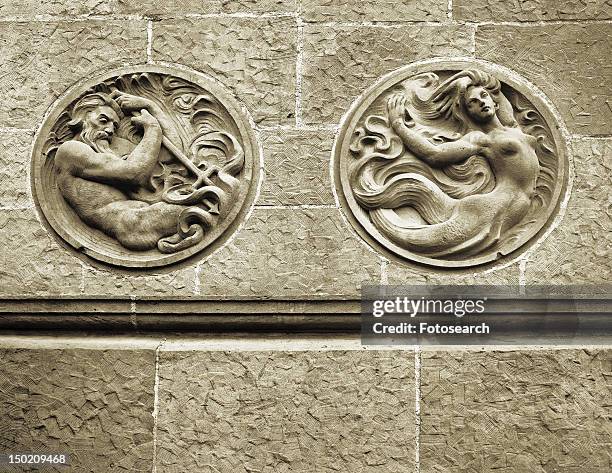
359 218
62 220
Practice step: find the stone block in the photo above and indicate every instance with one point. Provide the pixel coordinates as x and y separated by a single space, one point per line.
280 253
258 6
29 8
296 168
399 274
31 261
520 411
280 412
173 282
94 405
40 60
569 63
340 62
531 10
255 58
578 250
374 10
14 160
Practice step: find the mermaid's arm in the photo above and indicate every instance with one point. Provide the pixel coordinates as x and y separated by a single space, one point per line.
435 155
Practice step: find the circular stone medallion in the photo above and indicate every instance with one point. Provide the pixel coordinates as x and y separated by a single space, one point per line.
145 166
450 163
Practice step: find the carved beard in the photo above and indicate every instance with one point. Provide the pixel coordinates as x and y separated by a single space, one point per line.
97 139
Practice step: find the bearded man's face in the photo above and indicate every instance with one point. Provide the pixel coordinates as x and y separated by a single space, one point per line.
99 126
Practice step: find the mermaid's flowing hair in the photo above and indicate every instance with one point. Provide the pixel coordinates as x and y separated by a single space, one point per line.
383 175
447 102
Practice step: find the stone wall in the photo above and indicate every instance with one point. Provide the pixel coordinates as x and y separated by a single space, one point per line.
134 404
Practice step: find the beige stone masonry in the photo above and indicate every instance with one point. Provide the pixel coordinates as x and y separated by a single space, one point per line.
40 60
254 57
578 251
569 62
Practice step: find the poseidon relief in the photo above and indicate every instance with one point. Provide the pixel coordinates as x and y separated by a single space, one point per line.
450 166
144 167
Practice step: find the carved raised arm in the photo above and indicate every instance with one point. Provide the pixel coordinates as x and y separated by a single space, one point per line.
435 155
81 160
130 103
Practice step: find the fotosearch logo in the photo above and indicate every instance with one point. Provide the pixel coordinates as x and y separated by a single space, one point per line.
414 307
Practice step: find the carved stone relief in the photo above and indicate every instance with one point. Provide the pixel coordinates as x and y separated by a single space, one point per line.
145 166
450 164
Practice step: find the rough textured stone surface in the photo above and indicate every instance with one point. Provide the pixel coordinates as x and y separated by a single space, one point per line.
340 62
254 57
510 412
531 10
14 158
29 8
146 7
278 412
31 262
94 405
177 282
578 251
374 10
256 6
399 274
297 168
576 75
291 253
41 60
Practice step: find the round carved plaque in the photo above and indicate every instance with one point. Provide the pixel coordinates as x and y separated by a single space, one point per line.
450 163
145 166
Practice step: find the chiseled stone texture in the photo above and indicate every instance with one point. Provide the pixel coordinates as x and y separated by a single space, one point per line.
170 283
94 405
340 62
255 57
374 10
578 250
296 168
29 8
258 6
26 8
569 63
398 274
40 60
279 412
531 10
291 253
182 7
520 411
31 261
14 158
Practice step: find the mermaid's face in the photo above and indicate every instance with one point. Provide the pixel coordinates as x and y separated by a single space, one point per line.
479 104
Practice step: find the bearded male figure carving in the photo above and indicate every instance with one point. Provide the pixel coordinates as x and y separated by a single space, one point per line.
96 170
449 172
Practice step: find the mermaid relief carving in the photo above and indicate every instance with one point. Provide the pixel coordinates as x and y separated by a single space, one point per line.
155 162
451 169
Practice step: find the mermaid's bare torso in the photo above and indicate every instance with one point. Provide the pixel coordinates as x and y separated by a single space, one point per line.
471 224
